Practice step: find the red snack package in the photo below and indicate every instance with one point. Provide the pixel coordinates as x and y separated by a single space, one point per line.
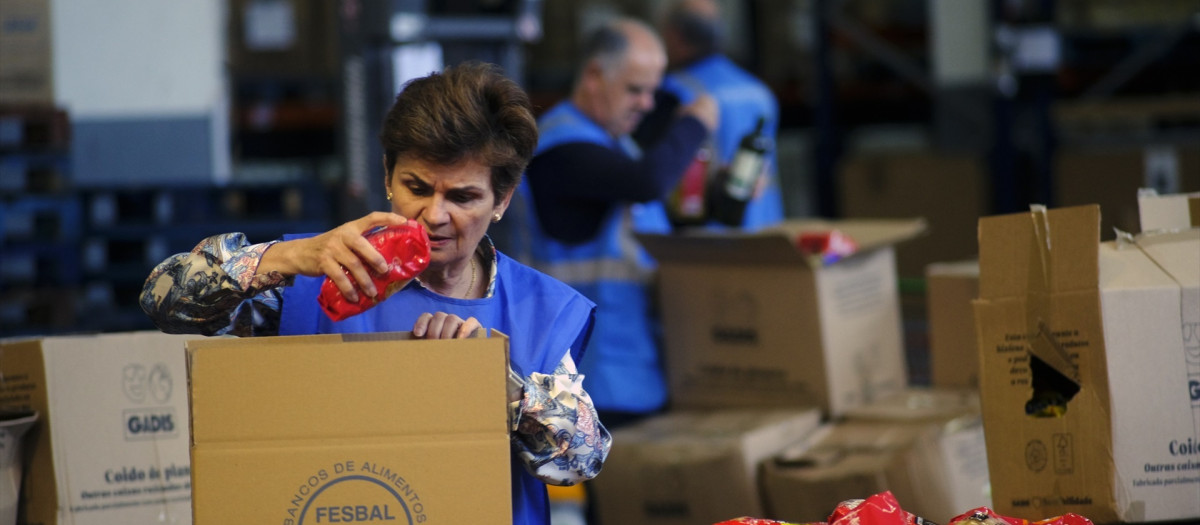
879 509
986 516
406 247
758 521
829 246
1065 519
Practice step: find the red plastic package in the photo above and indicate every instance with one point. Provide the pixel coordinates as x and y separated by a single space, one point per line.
757 521
986 516
406 247
878 509
829 246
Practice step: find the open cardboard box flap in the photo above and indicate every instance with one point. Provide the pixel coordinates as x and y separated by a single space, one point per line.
309 375
775 244
1039 252
1036 255
1168 212
1175 252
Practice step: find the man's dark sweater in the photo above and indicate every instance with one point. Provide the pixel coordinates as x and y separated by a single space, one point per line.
576 184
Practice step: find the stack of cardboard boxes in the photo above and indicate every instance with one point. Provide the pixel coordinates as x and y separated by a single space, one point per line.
925 446
786 373
774 353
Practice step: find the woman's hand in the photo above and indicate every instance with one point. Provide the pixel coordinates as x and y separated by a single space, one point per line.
442 325
329 253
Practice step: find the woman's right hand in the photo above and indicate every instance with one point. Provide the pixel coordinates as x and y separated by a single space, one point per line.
329 253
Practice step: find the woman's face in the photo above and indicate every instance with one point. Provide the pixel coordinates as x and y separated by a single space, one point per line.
454 203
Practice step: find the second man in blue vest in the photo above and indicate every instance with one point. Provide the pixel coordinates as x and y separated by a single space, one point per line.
586 185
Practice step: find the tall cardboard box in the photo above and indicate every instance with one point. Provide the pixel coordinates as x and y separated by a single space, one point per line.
1109 328
914 182
350 428
953 357
751 321
926 446
689 467
111 441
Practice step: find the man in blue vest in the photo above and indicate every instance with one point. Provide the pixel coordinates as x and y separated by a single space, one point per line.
692 34
584 186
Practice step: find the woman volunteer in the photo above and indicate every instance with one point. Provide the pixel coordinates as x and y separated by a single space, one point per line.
455 144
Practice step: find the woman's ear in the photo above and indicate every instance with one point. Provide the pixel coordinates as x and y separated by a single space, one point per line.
502 206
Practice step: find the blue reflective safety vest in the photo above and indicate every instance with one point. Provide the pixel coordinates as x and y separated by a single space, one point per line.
623 367
542 317
741 99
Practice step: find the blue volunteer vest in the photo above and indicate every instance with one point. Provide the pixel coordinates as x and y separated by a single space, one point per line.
542 317
623 367
741 99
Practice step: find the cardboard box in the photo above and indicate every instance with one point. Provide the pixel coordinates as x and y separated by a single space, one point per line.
689 467
953 355
750 321
110 444
917 405
356 427
925 446
915 183
283 38
1109 328
1110 176
1168 212
26 53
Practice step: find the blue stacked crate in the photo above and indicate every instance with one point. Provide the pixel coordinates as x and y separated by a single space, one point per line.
130 230
40 224
122 240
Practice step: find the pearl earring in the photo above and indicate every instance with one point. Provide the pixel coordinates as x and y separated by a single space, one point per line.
389 196
496 218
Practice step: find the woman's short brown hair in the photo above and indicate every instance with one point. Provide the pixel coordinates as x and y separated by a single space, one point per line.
469 111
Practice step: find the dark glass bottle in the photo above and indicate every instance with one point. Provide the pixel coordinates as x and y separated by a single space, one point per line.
741 178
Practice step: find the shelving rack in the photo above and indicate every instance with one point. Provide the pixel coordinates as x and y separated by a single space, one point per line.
40 222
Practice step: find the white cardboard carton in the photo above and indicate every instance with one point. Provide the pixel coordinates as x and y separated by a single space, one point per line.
1168 212
111 441
751 321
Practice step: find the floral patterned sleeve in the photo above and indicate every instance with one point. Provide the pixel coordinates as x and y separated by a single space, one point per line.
214 290
555 430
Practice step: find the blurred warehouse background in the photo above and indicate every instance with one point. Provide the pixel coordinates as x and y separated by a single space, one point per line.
131 129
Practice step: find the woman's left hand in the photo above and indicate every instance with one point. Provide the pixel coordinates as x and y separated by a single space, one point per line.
442 325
